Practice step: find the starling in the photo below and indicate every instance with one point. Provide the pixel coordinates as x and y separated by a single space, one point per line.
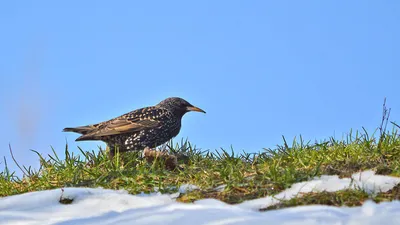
146 127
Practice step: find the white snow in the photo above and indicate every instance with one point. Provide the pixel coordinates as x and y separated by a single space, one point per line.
367 181
187 188
100 206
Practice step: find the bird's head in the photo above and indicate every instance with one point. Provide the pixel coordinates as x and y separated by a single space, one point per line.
178 105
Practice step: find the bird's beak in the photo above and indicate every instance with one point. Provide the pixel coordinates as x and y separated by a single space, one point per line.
194 108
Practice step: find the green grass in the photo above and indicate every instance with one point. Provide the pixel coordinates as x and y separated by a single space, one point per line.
246 176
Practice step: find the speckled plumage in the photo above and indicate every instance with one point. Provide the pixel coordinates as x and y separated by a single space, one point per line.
141 128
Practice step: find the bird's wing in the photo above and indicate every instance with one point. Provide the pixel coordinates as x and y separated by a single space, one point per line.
134 121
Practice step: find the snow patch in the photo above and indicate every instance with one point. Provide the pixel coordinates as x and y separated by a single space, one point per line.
100 206
367 181
184 188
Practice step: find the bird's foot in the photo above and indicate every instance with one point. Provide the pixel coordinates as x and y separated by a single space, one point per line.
171 161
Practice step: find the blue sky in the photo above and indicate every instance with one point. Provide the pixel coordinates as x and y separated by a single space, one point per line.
261 69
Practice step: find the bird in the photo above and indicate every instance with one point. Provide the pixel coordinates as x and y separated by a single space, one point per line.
147 127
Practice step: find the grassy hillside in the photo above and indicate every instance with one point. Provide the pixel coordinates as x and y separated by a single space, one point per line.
246 176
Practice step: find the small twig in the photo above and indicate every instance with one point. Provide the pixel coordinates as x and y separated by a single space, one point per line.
15 161
63 200
395 124
385 118
384 122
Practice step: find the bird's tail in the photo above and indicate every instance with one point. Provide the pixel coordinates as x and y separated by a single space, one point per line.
84 130
79 130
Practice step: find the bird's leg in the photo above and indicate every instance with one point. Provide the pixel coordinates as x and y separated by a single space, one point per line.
112 150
